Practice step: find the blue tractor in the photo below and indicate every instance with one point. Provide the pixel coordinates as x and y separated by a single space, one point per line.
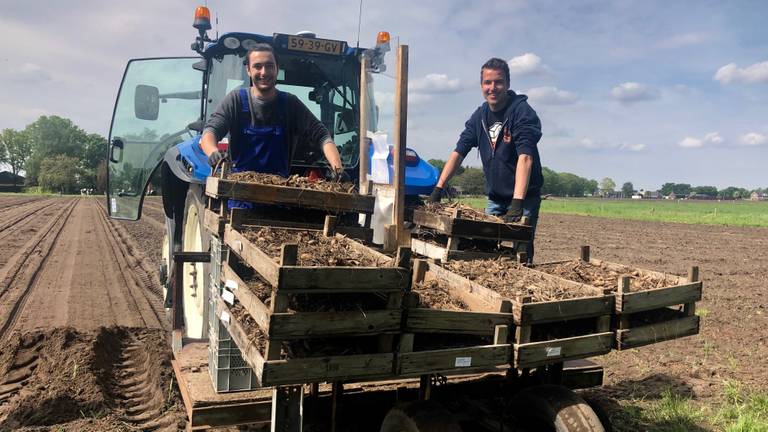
163 104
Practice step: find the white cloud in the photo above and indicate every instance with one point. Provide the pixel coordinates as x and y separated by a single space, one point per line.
713 138
690 142
591 144
630 92
683 40
754 139
525 64
435 83
28 72
632 147
732 73
552 96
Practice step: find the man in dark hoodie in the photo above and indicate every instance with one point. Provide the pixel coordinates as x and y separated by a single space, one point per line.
505 129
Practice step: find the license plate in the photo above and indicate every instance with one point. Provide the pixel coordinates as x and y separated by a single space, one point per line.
313 45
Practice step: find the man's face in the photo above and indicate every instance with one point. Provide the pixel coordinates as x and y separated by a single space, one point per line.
262 68
494 87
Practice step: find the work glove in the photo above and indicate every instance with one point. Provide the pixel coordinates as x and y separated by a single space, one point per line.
436 195
338 175
216 157
514 211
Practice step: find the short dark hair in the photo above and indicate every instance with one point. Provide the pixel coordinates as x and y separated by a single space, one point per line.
259 47
496 64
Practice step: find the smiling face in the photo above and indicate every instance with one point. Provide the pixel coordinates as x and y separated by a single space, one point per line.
494 87
262 68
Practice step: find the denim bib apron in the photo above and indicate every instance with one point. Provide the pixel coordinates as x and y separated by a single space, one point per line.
261 149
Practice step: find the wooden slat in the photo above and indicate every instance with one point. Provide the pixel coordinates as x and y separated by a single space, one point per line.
457 360
301 325
658 298
213 222
253 256
562 310
255 307
336 368
470 228
380 259
289 196
428 250
455 322
541 353
621 268
649 334
433 221
492 298
355 232
342 279
400 129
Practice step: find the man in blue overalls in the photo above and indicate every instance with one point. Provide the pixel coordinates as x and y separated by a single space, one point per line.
264 124
506 131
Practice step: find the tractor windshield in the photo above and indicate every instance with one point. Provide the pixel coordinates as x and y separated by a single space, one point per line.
327 85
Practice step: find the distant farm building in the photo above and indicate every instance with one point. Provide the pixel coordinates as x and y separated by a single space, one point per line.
758 196
10 182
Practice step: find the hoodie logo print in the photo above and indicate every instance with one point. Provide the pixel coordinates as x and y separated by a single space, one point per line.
493 132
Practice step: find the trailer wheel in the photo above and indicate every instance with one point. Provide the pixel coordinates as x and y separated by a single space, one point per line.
555 409
428 416
195 275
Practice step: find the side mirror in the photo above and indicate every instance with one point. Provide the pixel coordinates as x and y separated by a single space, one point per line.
146 102
345 122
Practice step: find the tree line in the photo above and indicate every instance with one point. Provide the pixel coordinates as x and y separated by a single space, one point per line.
56 155
471 181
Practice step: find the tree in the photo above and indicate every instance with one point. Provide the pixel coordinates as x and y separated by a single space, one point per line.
681 189
706 190
50 136
440 164
471 181
667 188
607 185
552 183
60 173
627 189
15 150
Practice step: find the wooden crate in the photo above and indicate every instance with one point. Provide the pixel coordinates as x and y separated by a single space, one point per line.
595 339
484 319
671 309
279 324
288 196
464 237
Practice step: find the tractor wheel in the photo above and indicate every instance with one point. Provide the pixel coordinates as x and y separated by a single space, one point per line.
195 238
428 416
555 409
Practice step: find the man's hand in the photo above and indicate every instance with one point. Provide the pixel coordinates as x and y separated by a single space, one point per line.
338 175
436 195
514 212
216 157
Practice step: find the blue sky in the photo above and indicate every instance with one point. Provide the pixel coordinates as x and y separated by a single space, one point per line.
640 91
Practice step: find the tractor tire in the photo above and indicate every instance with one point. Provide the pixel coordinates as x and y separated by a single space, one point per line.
427 416
555 409
195 238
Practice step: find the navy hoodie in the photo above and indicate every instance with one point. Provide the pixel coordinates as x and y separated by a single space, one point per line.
521 132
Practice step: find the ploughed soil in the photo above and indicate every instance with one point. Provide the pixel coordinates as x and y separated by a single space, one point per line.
292 181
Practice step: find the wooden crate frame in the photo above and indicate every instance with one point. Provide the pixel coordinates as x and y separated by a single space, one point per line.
456 226
525 314
280 325
684 291
289 196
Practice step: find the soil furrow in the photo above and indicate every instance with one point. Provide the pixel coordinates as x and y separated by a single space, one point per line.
26 288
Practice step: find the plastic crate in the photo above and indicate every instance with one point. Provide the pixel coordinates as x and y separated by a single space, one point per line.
229 372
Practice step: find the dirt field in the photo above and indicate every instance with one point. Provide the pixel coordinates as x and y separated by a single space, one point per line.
81 316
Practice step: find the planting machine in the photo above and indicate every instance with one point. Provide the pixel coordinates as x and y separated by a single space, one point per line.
265 334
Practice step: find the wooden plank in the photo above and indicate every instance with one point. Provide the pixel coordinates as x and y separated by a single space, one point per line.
364 158
355 232
318 369
253 256
561 310
399 139
454 322
693 276
328 279
535 354
428 250
490 230
255 307
213 222
302 325
492 298
289 196
433 221
621 268
649 334
453 360
658 298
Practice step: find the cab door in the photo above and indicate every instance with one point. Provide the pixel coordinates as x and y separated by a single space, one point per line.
158 99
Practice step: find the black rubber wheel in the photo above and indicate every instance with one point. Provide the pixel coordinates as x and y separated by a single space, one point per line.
555 409
427 416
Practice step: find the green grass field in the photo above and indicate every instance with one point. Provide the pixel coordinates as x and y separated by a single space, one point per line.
733 213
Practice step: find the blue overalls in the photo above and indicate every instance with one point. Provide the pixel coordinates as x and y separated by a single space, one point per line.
260 148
